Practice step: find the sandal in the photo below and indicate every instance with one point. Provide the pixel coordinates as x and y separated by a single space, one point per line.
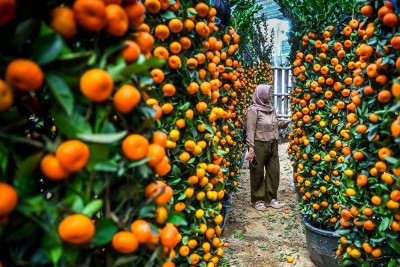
259 205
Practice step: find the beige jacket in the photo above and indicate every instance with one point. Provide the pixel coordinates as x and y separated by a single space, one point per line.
267 126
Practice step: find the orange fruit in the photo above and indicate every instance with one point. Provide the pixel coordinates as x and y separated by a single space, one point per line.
161 52
97 85
152 6
145 41
24 75
168 236
135 11
135 147
168 89
126 98
161 32
125 242
163 192
160 138
117 20
174 62
158 75
202 10
142 230
156 153
73 155
175 25
367 11
76 229
63 21
6 96
52 168
8 199
90 14
131 52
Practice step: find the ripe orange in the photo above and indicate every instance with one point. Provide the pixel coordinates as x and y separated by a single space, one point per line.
202 10
135 11
125 242
73 155
161 32
24 75
163 192
174 62
168 89
90 14
168 236
135 147
158 75
8 199
160 138
6 96
142 230
176 25
152 6
156 153
97 85
126 98
161 52
63 21
76 229
52 168
131 52
145 41
117 20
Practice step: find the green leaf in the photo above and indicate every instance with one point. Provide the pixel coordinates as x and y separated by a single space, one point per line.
105 229
384 224
135 68
26 168
61 92
167 15
394 244
92 207
138 163
219 186
52 246
98 153
177 219
107 166
110 50
105 138
47 47
72 125
155 62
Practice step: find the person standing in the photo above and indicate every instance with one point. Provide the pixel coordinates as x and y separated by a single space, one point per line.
262 136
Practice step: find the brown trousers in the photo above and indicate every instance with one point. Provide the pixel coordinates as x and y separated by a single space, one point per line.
264 184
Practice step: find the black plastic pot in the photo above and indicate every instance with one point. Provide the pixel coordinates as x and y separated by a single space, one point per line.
226 208
321 245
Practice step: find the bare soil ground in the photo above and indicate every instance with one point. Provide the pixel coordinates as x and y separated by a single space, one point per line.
266 239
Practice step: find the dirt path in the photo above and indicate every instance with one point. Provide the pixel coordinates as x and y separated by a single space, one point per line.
266 239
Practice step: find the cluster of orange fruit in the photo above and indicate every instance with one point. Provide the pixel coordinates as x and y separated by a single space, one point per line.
199 92
371 204
74 161
319 102
346 116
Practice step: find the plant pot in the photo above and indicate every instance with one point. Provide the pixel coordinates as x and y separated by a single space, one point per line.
226 208
322 245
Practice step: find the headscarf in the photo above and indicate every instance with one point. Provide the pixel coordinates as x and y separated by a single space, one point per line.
261 99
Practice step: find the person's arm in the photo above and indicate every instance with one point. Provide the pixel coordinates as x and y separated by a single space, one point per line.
250 132
283 124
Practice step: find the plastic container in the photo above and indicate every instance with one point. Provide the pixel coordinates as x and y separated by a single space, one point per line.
321 245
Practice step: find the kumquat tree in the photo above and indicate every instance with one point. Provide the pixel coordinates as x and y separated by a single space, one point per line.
121 128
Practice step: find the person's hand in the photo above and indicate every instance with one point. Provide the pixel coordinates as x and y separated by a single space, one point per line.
250 154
